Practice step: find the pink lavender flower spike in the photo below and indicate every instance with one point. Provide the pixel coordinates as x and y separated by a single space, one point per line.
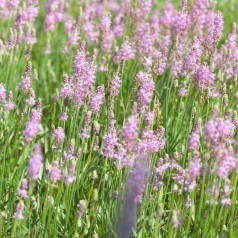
150 143
25 83
231 41
144 37
188 202
204 78
225 200
9 105
180 22
115 86
32 126
22 192
135 188
54 13
145 6
227 163
87 128
12 4
168 14
194 170
215 31
149 118
31 98
63 116
97 100
105 23
28 14
2 92
72 30
118 26
194 137
126 52
193 56
59 135
146 89
54 172
19 210
198 10
183 92
218 131
35 163
130 131
84 72
67 89
111 140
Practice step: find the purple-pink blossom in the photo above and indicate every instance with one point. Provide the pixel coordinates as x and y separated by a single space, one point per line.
2 92
126 52
35 163
204 78
32 126
54 172
59 135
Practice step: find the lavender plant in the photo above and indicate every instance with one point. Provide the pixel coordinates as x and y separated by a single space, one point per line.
118 118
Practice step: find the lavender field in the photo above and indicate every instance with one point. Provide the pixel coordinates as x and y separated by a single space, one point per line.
118 118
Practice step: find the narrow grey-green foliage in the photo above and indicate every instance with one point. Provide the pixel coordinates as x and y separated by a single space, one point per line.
52 209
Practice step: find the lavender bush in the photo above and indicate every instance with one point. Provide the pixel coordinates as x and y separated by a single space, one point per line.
118 118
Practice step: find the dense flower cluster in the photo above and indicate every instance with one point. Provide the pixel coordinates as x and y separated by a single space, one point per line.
32 126
102 100
203 77
59 135
2 92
